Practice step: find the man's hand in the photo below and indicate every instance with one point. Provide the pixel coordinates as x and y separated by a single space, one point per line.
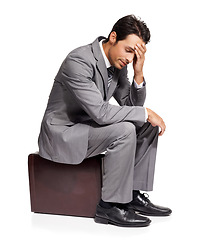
138 62
156 120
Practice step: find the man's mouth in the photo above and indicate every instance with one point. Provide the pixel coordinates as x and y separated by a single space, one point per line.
123 63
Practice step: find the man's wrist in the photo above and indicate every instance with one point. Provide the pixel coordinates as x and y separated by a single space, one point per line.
139 78
148 113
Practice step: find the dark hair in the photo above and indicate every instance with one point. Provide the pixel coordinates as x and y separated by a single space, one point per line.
130 25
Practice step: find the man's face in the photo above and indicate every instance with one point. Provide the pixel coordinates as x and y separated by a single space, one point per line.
122 52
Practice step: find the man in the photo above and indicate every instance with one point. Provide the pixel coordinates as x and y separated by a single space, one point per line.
79 121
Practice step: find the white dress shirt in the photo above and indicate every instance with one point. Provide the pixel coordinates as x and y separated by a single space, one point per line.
107 63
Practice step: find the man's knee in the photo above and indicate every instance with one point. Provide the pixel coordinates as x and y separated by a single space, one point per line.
147 129
154 129
129 129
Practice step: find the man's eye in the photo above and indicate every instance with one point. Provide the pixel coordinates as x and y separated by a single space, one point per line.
128 50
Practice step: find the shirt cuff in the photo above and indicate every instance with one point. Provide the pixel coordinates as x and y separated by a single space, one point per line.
146 115
138 85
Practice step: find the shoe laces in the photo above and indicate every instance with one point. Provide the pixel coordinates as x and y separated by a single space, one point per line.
145 196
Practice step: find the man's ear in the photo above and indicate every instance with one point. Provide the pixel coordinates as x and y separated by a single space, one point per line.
113 38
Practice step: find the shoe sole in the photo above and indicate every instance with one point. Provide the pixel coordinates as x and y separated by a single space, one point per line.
108 221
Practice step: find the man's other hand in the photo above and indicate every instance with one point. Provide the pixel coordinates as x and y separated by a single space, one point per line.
156 120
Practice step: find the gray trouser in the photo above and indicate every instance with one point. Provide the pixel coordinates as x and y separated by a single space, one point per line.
129 161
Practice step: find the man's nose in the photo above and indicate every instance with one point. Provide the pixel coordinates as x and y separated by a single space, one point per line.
130 58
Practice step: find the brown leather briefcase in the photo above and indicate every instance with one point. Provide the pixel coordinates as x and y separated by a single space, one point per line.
66 189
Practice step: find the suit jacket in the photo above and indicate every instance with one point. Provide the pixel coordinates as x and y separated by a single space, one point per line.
79 97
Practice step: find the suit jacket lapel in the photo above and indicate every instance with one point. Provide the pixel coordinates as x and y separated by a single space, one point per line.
103 71
101 64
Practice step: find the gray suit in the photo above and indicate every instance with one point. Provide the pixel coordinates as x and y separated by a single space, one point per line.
78 106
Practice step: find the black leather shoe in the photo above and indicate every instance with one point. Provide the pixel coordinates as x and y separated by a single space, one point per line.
120 217
143 205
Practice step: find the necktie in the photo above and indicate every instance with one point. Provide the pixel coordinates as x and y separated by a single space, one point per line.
110 71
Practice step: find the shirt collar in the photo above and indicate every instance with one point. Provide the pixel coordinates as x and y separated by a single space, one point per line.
107 63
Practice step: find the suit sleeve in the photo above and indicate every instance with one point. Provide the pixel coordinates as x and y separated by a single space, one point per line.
77 76
127 94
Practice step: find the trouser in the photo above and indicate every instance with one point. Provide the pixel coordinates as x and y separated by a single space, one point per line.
129 161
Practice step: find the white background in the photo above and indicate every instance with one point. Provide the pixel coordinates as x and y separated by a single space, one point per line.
35 38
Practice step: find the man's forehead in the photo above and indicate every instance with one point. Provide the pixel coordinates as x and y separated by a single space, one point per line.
132 39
